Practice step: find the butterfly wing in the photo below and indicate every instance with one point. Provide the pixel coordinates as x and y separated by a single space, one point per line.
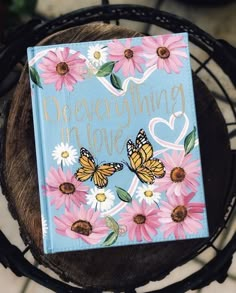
144 146
109 169
133 155
104 171
88 166
145 175
136 159
156 167
90 170
141 159
86 159
100 180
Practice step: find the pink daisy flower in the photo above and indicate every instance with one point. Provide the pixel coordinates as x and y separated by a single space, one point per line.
164 51
81 223
60 67
179 216
141 221
181 174
128 58
64 188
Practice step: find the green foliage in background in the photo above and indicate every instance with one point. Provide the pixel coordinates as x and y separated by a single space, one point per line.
22 7
16 12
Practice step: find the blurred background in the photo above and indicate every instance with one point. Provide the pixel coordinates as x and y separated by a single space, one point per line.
216 17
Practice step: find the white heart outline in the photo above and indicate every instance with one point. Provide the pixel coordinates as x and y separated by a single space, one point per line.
171 123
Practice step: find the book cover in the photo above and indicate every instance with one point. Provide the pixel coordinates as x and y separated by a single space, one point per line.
116 142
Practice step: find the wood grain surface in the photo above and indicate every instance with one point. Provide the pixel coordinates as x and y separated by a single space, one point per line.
109 268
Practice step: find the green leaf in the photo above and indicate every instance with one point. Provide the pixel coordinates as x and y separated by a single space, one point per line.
35 76
111 239
116 81
189 141
123 194
106 69
112 224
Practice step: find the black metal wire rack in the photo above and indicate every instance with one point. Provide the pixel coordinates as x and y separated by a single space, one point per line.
209 57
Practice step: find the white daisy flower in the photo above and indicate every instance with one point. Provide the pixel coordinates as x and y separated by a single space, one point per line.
44 226
146 192
100 199
97 54
65 154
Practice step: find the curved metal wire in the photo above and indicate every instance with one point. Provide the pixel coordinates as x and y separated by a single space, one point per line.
228 99
33 33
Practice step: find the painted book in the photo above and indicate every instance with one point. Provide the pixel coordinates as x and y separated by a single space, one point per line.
117 143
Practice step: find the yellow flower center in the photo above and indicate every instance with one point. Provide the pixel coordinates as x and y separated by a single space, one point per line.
67 188
177 174
163 52
101 197
65 154
179 214
97 55
128 53
139 219
148 193
82 227
62 68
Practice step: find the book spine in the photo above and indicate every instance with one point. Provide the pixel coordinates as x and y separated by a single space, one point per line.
40 154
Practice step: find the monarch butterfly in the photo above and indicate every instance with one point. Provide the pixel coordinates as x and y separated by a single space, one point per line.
141 159
90 170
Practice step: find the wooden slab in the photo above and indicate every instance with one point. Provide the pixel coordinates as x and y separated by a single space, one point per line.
110 267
